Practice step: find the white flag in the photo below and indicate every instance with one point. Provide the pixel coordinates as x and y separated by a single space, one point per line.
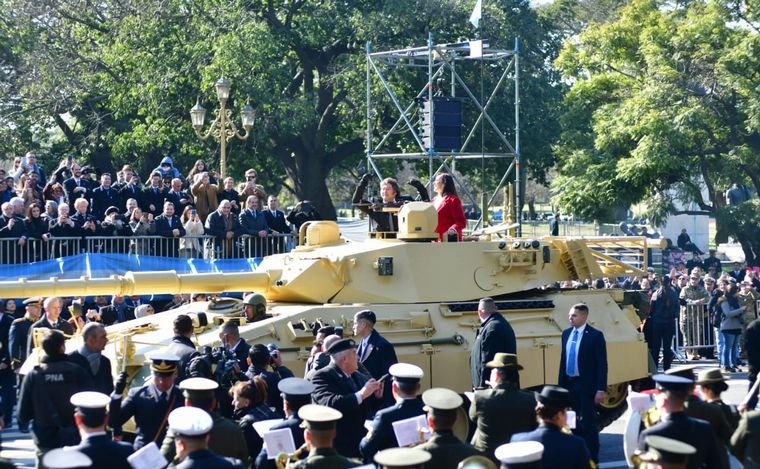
475 16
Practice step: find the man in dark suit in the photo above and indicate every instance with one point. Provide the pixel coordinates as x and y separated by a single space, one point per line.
495 335
7 377
560 449
583 372
89 357
277 223
178 197
91 417
225 228
167 225
375 353
51 320
296 393
340 386
103 197
131 190
406 386
118 311
504 410
153 196
254 224
681 427
446 449
76 187
230 337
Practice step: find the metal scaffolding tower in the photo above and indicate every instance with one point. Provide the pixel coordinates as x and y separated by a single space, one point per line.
438 60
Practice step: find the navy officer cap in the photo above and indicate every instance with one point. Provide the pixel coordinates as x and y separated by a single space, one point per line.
341 345
295 387
406 372
672 382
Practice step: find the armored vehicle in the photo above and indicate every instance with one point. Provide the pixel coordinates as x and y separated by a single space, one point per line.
425 294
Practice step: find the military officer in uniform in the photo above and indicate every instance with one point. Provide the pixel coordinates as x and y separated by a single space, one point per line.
319 423
560 449
149 404
522 455
65 458
504 410
745 442
17 337
664 453
296 393
405 387
679 426
710 413
398 458
91 417
192 427
446 449
226 438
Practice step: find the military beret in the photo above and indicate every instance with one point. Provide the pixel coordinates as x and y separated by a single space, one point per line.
326 330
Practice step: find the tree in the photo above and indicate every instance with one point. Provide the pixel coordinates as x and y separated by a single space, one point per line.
662 105
117 78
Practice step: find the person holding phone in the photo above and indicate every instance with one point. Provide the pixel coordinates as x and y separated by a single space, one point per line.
190 244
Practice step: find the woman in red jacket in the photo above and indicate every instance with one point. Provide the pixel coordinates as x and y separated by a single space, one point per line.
451 219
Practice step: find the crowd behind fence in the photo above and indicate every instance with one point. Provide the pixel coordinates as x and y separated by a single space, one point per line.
21 251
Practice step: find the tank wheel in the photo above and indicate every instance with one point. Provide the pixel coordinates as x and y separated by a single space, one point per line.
614 406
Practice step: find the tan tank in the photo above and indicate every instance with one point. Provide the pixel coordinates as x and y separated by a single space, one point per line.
425 295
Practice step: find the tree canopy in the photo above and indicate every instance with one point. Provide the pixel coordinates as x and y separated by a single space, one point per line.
663 104
118 77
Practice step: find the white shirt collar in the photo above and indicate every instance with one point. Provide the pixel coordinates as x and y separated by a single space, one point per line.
581 329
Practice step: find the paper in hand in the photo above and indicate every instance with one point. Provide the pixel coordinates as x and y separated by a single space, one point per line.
279 441
263 426
147 457
407 431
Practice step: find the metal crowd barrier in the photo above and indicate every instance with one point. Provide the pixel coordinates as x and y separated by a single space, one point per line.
195 247
693 332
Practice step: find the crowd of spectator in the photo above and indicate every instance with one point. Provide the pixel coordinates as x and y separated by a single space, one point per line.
52 217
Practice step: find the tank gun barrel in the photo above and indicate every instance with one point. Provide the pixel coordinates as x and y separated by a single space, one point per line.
138 283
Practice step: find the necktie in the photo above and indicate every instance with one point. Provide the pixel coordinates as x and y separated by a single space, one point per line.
163 398
571 354
170 222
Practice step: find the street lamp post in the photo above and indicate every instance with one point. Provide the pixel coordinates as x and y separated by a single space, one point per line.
222 128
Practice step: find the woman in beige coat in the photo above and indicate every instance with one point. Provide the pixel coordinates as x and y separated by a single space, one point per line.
205 196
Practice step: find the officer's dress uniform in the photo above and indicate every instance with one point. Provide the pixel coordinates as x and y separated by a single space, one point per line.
104 452
447 450
745 442
499 413
319 418
325 458
382 436
561 450
148 408
196 423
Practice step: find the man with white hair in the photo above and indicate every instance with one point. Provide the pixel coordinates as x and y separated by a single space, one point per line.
11 227
340 386
50 320
63 227
225 227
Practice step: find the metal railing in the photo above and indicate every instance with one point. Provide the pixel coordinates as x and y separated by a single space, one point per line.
694 332
17 251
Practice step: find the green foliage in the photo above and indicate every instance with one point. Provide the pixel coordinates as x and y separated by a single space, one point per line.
663 104
117 78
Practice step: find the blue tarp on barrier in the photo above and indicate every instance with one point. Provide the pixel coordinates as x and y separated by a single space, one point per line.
105 265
